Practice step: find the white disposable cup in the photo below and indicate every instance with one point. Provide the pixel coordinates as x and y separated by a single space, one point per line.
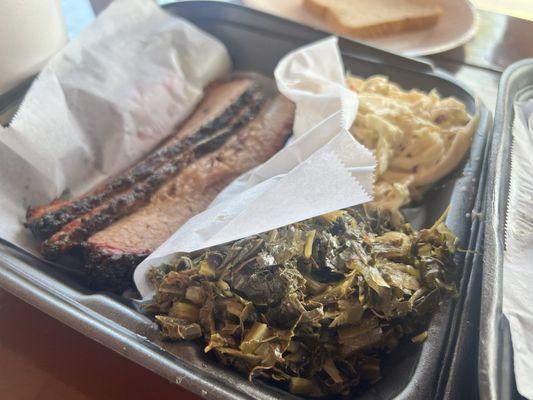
30 32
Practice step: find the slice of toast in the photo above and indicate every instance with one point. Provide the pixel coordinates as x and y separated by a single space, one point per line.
372 18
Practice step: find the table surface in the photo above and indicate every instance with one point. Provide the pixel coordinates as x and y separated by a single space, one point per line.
42 359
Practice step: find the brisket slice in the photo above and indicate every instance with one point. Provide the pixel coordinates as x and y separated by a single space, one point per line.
221 102
112 254
127 201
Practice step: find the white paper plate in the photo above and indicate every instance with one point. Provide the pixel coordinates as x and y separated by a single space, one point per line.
457 25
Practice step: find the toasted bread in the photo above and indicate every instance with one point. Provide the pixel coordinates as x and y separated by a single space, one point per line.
372 18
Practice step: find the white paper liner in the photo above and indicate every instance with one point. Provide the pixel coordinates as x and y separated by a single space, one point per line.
518 265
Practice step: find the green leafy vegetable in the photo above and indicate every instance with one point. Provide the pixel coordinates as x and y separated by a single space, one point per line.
314 305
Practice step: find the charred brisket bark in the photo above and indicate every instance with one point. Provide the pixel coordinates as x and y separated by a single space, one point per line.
122 221
127 201
221 102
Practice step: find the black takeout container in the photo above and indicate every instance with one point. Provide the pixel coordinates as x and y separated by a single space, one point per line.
443 366
496 370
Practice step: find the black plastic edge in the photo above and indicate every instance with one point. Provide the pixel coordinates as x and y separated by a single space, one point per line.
495 365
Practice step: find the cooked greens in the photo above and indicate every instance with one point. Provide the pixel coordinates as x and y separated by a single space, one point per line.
314 305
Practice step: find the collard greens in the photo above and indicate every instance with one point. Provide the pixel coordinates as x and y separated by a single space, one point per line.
314 305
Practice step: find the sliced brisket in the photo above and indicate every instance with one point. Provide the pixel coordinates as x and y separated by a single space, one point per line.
119 223
112 253
127 201
221 102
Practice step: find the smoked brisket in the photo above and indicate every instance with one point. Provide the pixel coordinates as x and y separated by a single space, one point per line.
220 103
115 226
127 201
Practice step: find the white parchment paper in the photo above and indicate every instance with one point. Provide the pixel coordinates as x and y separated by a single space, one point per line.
101 104
518 266
323 169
